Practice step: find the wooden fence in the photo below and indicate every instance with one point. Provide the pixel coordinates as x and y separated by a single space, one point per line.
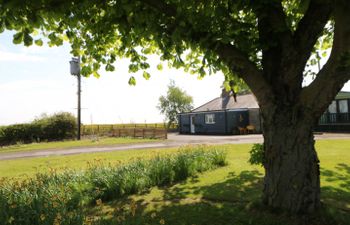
140 133
112 131
158 130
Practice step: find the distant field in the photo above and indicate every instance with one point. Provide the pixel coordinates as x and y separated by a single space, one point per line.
105 128
72 144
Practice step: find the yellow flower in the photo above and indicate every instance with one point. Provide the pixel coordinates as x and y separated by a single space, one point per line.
42 217
153 215
58 216
162 221
120 218
54 204
99 202
11 219
57 220
88 220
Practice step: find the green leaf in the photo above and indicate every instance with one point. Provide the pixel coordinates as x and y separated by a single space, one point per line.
146 75
39 42
96 74
85 71
132 81
133 68
28 40
160 66
2 27
110 67
18 38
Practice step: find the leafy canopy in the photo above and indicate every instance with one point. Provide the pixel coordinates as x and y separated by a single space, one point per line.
185 33
176 101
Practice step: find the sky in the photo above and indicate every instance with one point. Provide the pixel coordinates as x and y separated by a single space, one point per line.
36 80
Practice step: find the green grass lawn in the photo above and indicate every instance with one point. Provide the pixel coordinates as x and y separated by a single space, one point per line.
228 195
73 144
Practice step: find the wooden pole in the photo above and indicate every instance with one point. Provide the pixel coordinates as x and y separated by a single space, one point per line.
79 103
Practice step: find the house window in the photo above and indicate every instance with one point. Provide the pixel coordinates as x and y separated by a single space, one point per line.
210 118
332 107
343 106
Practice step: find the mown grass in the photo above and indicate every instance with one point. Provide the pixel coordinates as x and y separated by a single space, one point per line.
60 197
28 167
73 144
228 195
231 195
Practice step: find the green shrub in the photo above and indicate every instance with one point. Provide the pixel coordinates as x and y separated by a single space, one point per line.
19 133
59 126
59 198
257 155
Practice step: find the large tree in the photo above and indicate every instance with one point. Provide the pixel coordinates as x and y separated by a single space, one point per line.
174 102
266 43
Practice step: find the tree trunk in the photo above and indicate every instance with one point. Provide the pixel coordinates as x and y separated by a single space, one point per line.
292 177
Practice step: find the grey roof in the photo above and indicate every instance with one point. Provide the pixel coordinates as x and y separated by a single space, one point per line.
343 95
243 101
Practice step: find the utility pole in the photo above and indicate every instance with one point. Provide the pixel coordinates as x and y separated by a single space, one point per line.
75 71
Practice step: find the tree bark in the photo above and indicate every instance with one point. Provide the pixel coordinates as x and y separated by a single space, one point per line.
292 177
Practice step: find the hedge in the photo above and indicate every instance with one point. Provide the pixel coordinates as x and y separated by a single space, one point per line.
58 126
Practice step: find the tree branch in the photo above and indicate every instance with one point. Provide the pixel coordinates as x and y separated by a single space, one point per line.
336 72
240 64
309 29
274 34
236 60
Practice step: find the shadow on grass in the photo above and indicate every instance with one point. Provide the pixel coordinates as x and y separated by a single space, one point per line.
233 201
337 195
229 202
243 187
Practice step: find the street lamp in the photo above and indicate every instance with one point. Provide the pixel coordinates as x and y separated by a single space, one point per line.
75 71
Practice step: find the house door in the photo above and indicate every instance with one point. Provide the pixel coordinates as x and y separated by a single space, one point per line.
192 125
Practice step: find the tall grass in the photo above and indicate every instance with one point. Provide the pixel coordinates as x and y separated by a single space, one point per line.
60 198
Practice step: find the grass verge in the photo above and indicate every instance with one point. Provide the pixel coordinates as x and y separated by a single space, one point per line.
73 144
227 195
59 198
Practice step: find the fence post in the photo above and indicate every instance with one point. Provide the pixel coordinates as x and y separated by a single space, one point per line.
166 133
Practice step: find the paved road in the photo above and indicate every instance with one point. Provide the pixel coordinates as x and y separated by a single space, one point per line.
174 140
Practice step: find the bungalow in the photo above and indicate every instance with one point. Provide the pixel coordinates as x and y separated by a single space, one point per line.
337 116
223 115
233 115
